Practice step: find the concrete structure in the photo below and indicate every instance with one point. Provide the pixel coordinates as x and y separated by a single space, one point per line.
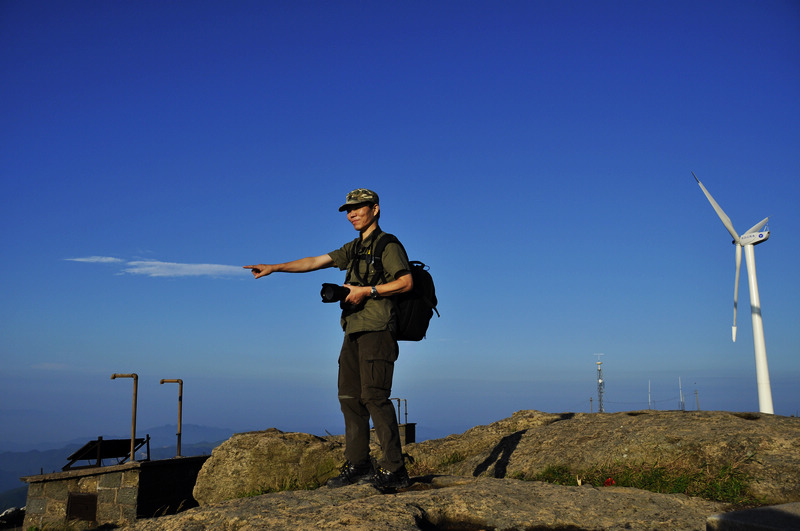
117 494
408 432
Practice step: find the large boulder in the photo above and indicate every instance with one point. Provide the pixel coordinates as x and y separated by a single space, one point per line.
257 462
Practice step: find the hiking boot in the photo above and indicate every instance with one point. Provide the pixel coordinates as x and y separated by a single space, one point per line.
350 474
383 479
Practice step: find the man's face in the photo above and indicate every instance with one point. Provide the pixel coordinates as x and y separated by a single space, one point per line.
362 216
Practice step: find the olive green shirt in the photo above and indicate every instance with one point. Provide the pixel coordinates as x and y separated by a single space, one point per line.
376 314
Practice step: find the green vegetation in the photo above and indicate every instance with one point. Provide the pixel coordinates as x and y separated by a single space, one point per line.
297 480
452 459
301 480
725 484
434 465
286 485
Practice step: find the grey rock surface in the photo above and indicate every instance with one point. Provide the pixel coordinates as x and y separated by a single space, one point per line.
448 502
765 447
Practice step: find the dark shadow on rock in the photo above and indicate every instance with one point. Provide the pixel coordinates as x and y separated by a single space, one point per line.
748 416
425 523
500 455
774 517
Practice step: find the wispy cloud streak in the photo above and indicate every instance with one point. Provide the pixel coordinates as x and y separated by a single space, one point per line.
154 268
157 268
97 259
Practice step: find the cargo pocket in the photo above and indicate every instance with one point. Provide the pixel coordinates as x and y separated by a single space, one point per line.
380 380
379 353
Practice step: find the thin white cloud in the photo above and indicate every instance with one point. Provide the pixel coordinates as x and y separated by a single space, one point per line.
97 259
155 268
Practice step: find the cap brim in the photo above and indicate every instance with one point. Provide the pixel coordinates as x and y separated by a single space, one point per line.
348 205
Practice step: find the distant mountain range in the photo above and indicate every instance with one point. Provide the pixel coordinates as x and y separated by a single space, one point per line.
195 440
160 435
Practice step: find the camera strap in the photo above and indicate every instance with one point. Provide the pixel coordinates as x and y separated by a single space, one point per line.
376 254
370 258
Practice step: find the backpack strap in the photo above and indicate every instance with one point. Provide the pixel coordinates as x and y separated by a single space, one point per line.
354 266
381 241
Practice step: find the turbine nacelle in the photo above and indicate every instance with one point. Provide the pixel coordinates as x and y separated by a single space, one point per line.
754 238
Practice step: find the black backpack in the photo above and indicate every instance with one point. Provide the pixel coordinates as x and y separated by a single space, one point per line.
414 308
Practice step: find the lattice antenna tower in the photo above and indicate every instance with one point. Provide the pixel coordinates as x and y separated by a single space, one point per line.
601 384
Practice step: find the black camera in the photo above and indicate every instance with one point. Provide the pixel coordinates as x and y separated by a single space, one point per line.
334 293
337 293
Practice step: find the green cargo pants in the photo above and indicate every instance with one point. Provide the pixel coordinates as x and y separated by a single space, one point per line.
366 367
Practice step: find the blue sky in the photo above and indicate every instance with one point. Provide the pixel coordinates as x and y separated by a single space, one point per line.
537 155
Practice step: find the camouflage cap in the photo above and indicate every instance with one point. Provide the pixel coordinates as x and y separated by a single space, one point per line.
359 196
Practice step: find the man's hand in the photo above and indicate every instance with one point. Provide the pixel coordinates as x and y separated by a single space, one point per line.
358 294
303 265
260 270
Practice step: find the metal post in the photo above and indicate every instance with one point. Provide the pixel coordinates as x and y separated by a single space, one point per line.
180 409
133 415
405 402
601 385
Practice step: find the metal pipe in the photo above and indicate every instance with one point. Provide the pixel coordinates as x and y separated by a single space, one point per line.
405 402
180 409
133 416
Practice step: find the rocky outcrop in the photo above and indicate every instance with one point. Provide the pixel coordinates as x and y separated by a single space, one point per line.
763 447
474 480
448 503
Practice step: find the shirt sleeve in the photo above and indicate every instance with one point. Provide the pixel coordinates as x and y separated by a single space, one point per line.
395 261
341 257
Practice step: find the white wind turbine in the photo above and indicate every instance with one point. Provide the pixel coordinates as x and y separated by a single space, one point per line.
748 240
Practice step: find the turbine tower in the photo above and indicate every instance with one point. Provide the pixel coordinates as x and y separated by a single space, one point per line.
747 241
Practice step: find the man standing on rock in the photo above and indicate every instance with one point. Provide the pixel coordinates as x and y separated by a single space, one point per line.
369 349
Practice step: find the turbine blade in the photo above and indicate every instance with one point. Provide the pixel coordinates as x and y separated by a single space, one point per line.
757 226
721 213
736 288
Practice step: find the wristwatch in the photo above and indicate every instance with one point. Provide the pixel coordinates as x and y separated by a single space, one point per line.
373 294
